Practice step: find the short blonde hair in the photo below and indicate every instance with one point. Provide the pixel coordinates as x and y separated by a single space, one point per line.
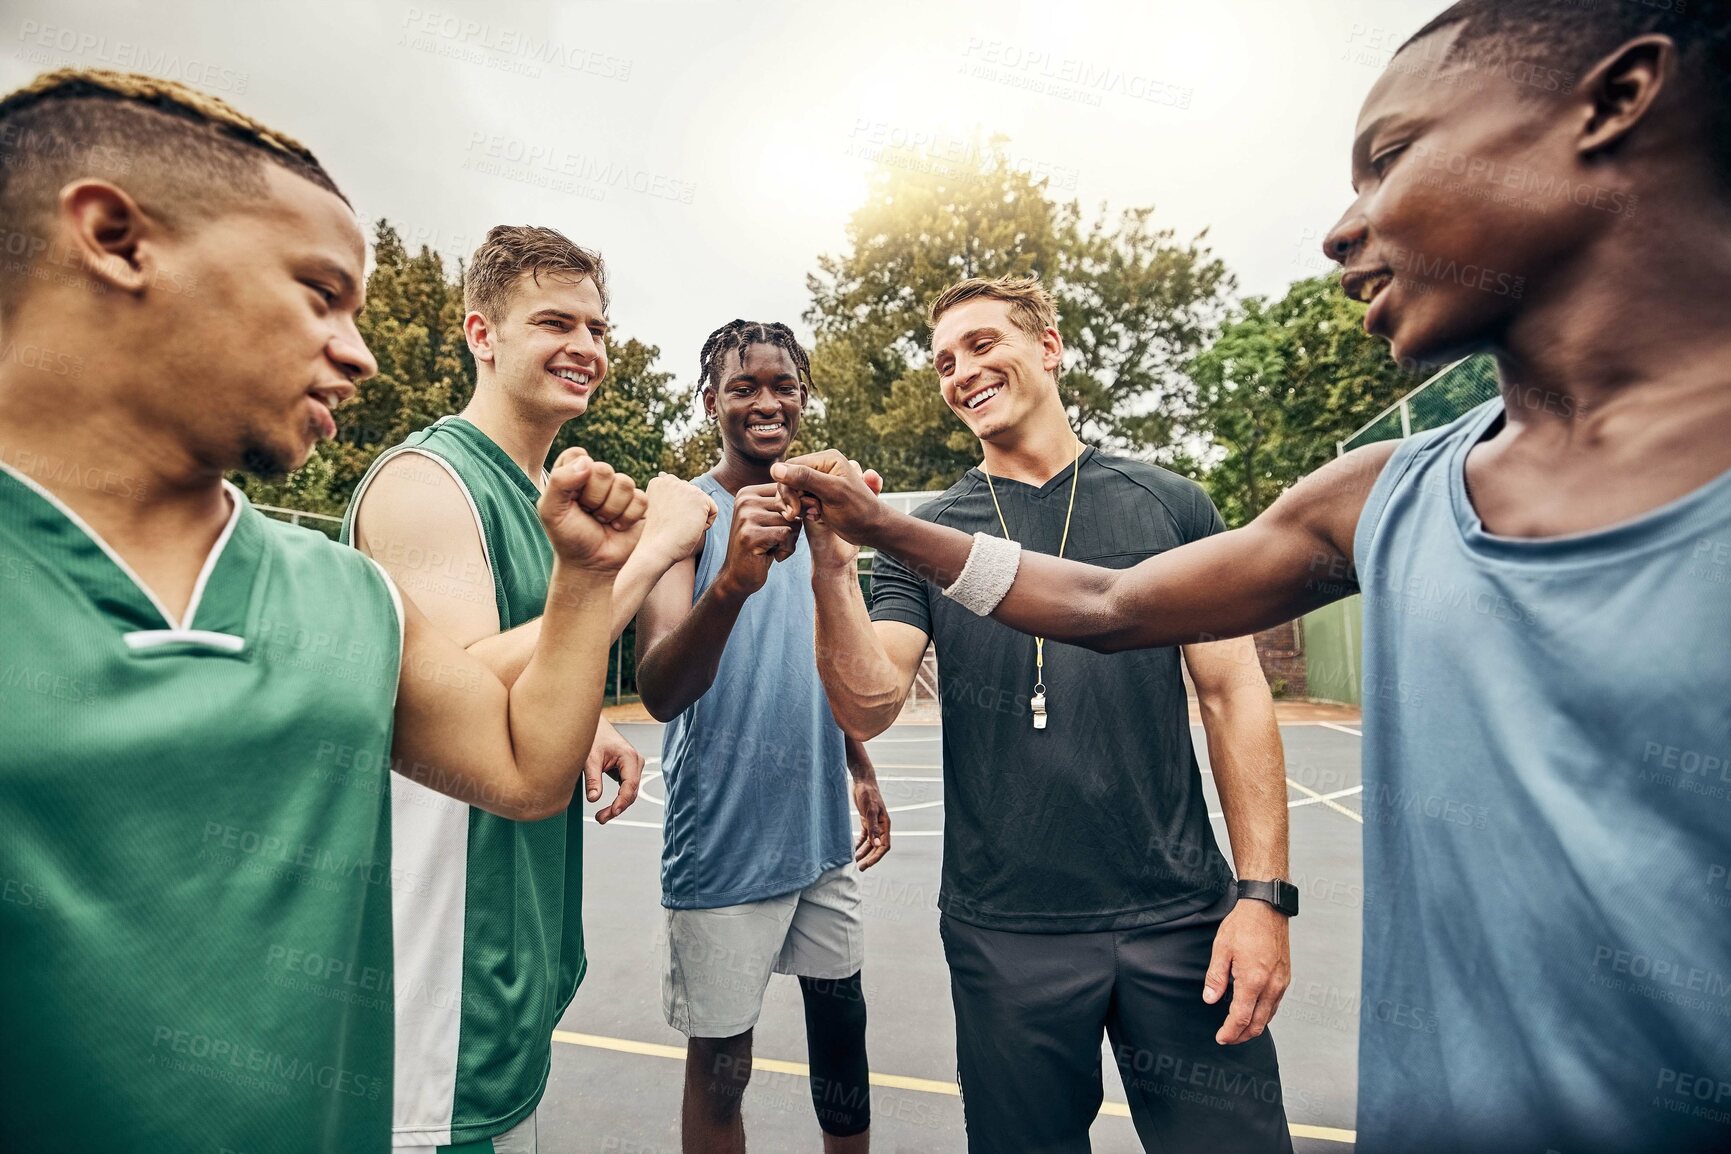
512 250
1031 306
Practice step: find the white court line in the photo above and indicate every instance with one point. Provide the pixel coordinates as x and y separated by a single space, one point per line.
1328 801
1341 728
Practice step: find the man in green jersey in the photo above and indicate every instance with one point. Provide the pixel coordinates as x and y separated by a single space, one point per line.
450 513
198 705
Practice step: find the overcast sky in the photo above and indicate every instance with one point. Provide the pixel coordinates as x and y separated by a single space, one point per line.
712 149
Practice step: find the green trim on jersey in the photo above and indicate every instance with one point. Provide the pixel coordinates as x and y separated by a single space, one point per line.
196 937
500 928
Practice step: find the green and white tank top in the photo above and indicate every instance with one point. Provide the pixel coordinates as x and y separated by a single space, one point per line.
490 952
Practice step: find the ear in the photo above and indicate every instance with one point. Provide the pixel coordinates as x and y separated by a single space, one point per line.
479 334
1051 351
1621 89
111 234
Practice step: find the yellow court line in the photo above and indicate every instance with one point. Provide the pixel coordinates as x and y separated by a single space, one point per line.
1329 802
892 1081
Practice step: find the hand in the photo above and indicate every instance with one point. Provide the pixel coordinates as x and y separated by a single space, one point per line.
592 514
874 823
760 534
830 488
618 759
831 552
1251 945
679 514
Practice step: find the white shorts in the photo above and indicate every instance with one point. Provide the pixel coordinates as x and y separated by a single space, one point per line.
716 963
519 1139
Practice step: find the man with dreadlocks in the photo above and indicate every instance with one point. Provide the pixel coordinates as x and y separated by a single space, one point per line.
756 870
199 706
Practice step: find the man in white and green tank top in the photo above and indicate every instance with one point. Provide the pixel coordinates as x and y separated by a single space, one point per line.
499 924
199 706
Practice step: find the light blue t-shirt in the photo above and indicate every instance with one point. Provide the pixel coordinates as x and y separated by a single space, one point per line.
1547 772
756 768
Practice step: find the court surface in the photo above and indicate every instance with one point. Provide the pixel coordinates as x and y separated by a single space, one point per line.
617 1073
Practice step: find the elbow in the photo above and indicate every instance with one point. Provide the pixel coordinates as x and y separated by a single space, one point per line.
865 726
529 807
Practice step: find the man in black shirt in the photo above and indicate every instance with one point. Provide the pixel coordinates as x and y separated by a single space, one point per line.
1082 887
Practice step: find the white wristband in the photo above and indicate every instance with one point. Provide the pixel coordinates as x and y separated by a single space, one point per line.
987 575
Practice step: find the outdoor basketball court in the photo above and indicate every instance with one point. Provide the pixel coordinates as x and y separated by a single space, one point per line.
617 1070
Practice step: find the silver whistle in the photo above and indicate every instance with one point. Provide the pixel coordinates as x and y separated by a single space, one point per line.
1038 703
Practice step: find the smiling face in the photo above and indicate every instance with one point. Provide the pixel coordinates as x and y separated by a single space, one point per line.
758 402
992 373
1446 257
549 350
247 338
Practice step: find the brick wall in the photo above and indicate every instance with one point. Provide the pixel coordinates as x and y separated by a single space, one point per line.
1282 652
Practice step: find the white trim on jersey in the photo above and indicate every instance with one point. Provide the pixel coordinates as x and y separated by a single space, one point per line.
210 559
156 638
429 839
372 473
402 623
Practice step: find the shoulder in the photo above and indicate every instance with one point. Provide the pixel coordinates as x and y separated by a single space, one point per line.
936 509
417 494
1185 501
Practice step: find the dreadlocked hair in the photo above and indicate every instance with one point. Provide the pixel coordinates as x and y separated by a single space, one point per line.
737 335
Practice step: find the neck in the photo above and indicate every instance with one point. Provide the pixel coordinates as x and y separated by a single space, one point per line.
1035 451
1639 324
526 438
738 470
121 473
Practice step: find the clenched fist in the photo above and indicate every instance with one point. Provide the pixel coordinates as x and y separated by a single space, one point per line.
759 536
593 515
679 514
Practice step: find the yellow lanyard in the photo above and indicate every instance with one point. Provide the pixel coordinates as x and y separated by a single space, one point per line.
1038 703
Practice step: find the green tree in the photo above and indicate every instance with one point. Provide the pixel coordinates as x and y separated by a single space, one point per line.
1280 385
1133 302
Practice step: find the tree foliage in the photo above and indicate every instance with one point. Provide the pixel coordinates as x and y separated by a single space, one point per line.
1134 303
1281 385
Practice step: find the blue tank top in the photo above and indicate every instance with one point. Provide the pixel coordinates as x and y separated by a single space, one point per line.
1547 771
756 768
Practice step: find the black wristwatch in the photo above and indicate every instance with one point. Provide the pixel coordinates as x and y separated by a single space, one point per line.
1283 896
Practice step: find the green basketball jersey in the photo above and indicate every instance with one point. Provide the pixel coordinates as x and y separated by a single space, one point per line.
491 952
195 937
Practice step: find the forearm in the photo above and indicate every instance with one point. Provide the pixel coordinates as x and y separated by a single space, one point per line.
859 762
681 667
555 704
1249 767
1228 585
641 571
864 687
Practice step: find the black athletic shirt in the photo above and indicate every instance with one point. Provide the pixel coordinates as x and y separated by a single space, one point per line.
1097 822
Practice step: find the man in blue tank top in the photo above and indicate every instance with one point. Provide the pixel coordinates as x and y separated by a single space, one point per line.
757 871
1547 953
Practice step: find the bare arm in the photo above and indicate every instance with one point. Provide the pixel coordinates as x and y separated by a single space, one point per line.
679 644
874 815
867 667
1292 559
519 750
1244 752
414 521
1252 947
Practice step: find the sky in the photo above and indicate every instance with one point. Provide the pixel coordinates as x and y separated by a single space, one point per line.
713 149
